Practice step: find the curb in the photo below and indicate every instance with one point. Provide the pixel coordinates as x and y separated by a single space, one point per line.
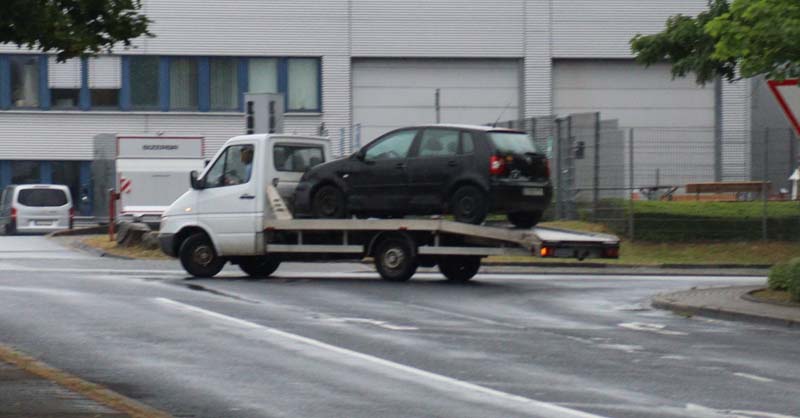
629 266
661 302
79 231
98 252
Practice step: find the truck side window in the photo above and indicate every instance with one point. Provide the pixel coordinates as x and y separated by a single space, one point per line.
296 158
233 167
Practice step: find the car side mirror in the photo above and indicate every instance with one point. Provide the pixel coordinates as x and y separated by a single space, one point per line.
361 154
205 163
197 183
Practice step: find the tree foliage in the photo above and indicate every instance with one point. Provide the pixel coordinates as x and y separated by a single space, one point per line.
731 39
71 27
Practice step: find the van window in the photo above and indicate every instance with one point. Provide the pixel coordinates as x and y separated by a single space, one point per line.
297 158
42 197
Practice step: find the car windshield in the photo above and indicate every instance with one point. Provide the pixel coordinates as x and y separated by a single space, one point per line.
512 142
42 197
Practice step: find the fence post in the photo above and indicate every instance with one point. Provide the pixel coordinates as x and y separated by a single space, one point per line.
438 106
764 192
631 206
557 171
596 173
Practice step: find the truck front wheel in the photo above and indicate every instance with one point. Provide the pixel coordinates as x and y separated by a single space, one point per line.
259 266
459 269
395 260
199 258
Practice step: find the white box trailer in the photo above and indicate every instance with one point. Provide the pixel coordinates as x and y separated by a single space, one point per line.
148 171
248 223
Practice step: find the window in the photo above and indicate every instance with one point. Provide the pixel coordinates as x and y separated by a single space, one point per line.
224 84
303 84
467 143
68 174
438 143
262 75
233 167
64 79
393 145
104 81
296 158
144 82
183 87
24 81
25 172
512 142
42 197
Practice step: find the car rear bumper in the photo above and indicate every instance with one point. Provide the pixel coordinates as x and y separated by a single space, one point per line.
167 243
520 196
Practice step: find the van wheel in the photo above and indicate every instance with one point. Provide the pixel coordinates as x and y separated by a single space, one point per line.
328 202
259 266
199 258
11 228
525 219
459 269
469 205
395 260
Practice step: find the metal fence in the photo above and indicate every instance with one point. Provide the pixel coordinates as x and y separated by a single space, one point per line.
635 179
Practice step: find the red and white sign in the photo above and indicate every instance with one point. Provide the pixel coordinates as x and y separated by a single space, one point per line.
124 185
788 94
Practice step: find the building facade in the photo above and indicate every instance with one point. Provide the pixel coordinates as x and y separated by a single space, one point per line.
352 69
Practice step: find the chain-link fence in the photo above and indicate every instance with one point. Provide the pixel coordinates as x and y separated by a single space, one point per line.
670 184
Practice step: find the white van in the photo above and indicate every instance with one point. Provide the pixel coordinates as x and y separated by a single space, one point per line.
36 208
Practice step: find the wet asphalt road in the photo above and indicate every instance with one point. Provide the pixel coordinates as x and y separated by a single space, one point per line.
333 340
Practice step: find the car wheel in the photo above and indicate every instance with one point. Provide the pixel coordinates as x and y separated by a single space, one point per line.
525 219
395 260
259 266
328 202
199 258
459 269
11 228
468 204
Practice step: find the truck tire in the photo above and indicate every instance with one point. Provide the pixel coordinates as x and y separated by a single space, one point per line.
459 269
525 219
469 205
198 256
259 266
328 202
395 259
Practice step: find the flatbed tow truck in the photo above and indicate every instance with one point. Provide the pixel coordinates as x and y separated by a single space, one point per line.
259 239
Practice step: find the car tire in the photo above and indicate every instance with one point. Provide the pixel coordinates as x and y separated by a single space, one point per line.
328 202
11 228
468 204
259 266
198 256
395 260
525 219
459 269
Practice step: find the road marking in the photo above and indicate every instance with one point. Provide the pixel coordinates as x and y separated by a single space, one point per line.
657 328
538 406
382 324
754 377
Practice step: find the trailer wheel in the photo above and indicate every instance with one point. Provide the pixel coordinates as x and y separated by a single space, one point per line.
459 269
259 266
198 256
395 259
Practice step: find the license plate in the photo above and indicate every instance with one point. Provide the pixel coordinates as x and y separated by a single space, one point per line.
42 223
532 191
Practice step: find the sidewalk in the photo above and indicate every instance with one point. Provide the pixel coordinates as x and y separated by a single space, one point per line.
732 303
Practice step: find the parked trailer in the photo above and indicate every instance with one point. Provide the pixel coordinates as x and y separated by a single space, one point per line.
248 223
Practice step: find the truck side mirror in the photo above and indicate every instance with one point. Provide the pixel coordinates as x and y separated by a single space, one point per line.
197 184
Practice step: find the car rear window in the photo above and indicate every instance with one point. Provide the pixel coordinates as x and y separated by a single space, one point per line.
42 197
512 142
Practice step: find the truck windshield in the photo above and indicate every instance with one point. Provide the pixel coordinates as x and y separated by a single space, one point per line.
512 143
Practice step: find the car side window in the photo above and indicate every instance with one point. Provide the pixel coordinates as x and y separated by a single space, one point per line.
438 143
467 143
233 167
392 146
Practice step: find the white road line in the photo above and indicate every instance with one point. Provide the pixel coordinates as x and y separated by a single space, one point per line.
537 406
657 328
754 377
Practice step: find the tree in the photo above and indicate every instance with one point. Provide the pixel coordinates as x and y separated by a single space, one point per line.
741 38
71 28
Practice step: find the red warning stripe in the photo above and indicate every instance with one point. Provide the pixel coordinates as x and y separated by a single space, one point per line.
124 185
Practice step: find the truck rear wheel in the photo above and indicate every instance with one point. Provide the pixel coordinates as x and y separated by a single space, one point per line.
459 269
259 266
198 256
395 259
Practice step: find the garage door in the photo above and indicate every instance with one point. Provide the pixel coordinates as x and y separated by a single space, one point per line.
391 93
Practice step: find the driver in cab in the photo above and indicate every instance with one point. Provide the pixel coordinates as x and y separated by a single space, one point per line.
246 158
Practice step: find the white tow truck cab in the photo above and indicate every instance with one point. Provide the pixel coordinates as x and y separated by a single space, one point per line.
237 213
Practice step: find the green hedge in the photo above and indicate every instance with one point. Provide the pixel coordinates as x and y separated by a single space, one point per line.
786 277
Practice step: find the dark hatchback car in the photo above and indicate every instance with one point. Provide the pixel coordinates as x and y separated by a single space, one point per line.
467 171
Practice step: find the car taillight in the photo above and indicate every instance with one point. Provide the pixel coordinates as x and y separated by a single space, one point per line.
497 165
72 213
13 214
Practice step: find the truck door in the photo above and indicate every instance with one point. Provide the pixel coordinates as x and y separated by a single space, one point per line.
228 203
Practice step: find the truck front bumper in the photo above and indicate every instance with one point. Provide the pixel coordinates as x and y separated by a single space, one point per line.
166 241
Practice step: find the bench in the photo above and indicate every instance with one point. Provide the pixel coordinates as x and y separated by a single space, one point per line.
728 190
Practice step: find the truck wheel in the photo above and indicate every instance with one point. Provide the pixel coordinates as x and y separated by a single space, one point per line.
395 260
525 219
469 205
459 269
328 202
259 266
199 258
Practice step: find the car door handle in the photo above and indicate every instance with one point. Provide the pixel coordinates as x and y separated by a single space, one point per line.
247 196
452 163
